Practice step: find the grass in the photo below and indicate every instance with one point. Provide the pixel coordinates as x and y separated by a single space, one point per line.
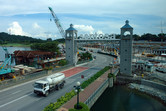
16 45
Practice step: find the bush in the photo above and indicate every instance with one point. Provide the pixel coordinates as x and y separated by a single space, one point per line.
111 75
86 56
48 68
93 78
83 107
60 101
69 95
62 62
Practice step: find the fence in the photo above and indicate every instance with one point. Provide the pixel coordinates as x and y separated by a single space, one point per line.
93 98
30 76
85 61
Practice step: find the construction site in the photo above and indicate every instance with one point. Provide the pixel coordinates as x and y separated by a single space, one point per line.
147 55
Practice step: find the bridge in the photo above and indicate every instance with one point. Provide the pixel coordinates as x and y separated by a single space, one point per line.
91 93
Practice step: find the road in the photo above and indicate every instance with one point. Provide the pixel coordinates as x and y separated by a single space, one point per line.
22 98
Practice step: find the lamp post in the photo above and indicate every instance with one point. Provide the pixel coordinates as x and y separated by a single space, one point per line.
48 62
111 66
77 90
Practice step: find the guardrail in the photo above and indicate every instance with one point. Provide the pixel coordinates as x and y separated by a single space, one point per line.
93 98
85 61
151 59
30 76
116 72
21 79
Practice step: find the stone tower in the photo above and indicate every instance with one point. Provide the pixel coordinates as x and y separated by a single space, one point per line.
71 45
126 50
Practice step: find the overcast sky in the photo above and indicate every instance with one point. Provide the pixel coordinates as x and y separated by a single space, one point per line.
32 17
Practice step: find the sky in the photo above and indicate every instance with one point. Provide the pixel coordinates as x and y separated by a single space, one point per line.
33 18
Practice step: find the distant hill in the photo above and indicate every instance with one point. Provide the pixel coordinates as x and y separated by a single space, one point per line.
7 38
62 40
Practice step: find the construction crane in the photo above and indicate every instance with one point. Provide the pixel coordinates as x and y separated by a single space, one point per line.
57 22
3 69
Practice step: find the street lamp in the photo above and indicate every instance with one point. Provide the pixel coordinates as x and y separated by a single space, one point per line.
77 90
48 62
111 66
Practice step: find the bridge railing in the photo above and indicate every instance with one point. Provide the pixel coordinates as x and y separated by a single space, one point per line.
116 71
92 99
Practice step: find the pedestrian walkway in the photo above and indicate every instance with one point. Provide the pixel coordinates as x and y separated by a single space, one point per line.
84 95
73 71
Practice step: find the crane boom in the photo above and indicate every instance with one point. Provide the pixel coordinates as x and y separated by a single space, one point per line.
56 20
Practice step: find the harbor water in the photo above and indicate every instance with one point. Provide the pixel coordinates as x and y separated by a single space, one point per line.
119 98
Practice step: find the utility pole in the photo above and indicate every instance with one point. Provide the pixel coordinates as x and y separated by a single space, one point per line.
161 34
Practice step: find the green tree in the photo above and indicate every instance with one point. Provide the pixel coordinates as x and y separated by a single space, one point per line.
48 46
62 62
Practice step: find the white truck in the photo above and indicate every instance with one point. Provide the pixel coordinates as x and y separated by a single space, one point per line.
52 82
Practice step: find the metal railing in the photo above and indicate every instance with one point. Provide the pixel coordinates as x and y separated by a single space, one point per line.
116 71
84 61
92 99
30 76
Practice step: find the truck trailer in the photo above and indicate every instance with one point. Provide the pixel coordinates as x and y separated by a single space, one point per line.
52 82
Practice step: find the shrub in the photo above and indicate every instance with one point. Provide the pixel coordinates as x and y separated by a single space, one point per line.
69 95
60 101
86 56
48 68
111 75
83 107
62 62
93 78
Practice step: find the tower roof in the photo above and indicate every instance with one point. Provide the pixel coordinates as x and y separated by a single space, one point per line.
127 25
71 28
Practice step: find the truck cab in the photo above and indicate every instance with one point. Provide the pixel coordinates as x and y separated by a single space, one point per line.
41 87
51 83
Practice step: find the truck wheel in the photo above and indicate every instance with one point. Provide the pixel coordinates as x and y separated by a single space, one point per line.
46 94
61 86
57 87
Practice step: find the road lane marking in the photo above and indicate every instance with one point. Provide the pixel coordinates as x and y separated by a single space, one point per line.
6 89
15 100
16 92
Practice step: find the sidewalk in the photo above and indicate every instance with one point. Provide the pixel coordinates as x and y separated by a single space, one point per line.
83 96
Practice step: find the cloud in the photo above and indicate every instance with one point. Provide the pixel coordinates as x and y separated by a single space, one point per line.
84 28
16 29
99 32
94 7
44 36
107 16
36 26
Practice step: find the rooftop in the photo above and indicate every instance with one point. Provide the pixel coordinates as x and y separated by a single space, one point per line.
127 25
71 28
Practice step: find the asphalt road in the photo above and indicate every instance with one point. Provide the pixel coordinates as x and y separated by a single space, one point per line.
22 98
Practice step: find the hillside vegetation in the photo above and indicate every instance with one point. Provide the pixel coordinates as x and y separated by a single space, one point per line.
6 38
24 41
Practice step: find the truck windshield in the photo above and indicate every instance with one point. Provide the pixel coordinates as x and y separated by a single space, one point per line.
38 85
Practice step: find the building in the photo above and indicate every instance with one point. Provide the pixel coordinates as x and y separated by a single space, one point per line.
126 47
31 57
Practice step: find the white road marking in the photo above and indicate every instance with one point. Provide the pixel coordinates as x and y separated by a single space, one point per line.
16 92
15 100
